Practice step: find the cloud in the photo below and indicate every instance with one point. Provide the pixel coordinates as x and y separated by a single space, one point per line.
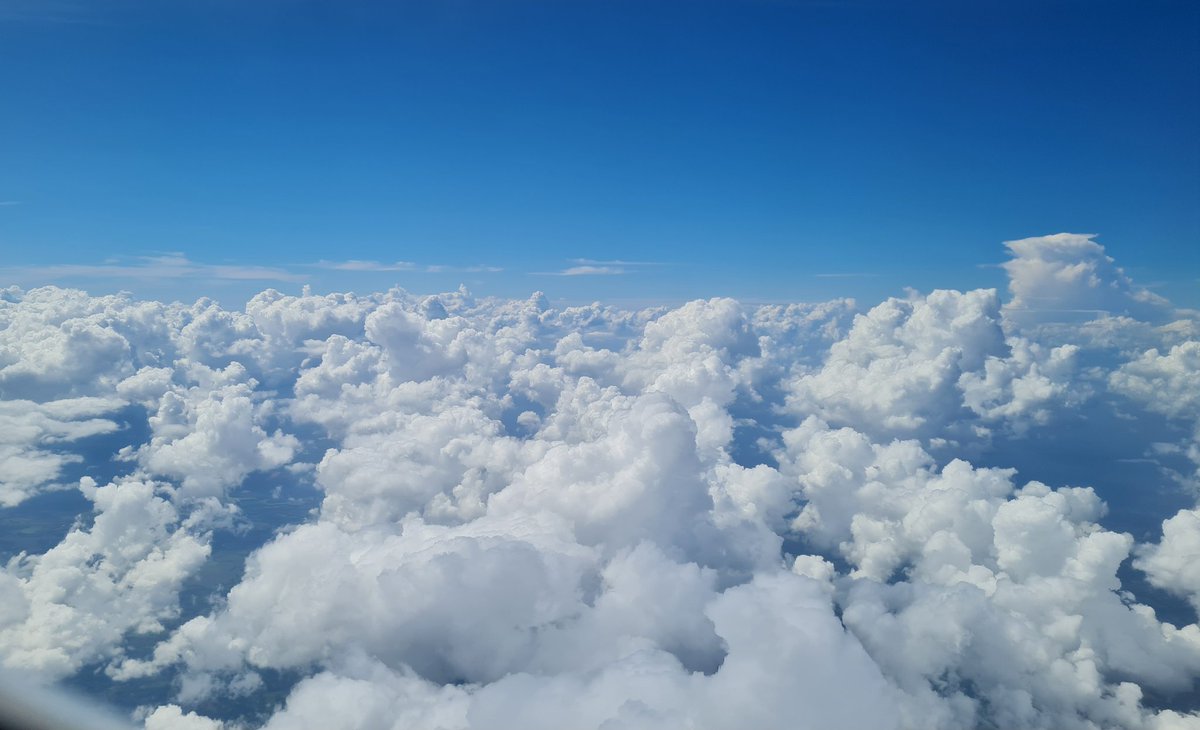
586 270
444 511
1068 273
1171 564
172 717
168 266
209 439
933 365
375 266
1167 382
356 265
616 262
596 267
75 603
32 436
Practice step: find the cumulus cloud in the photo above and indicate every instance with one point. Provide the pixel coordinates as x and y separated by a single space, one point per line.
935 366
1174 563
711 516
172 717
76 603
1068 275
210 438
1167 383
31 437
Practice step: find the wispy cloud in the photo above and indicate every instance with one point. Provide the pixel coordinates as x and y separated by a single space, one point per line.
616 262
376 266
357 265
480 269
846 275
1059 310
587 270
9 203
167 266
598 267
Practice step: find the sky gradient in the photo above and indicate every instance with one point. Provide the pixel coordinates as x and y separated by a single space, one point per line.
767 150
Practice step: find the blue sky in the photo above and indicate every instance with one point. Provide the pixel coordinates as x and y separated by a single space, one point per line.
765 149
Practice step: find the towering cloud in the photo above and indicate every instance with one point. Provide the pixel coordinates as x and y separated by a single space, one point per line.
1068 276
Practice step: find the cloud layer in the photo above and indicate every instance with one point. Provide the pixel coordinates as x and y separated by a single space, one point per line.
714 516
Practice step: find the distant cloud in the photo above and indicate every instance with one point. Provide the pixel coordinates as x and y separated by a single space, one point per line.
166 266
9 203
593 271
174 265
848 275
375 266
357 265
586 270
616 262
1070 272
439 268
598 267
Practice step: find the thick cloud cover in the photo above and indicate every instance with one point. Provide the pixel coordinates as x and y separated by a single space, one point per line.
712 516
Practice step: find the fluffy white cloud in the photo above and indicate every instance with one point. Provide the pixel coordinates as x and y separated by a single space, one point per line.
172 717
1167 383
211 435
455 603
712 516
32 437
1174 563
75 603
1069 276
364 694
936 366
57 343
789 665
979 559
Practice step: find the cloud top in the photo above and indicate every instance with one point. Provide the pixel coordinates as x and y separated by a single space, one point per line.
463 513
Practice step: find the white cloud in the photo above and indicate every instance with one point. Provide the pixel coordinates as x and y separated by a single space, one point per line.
166 266
210 438
588 517
586 270
376 266
1167 383
32 436
172 717
1174 563
615 262
597 267
1068 275
76 603
358 265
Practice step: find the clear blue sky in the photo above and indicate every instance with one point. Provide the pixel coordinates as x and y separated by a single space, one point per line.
746 145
